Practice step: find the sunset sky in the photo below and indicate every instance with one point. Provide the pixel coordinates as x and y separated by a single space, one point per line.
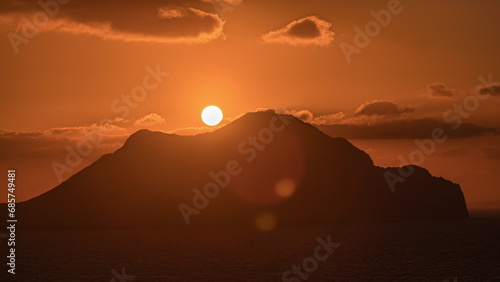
118 66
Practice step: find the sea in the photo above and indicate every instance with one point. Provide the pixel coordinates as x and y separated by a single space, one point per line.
449 250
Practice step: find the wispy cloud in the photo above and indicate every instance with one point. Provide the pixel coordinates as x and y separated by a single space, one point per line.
438 90
403 129
309 117
492 89
302 32
53 143
381 108
173 21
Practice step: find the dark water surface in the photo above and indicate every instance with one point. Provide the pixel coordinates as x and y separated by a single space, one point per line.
468 250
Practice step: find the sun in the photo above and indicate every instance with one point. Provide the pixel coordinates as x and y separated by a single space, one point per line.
211 115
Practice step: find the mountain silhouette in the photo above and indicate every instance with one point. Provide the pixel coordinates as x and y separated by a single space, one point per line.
263 162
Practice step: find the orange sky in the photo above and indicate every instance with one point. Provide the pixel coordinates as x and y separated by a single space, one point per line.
287 55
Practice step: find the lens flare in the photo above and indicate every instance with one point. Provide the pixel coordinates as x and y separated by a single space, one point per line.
266 221
285 187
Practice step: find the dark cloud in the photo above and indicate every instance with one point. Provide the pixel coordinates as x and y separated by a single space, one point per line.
308 116
438 90
169 21
381 108
13 134
493 89
306 31
403 129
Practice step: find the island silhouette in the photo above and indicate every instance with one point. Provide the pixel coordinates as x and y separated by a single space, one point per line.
262 162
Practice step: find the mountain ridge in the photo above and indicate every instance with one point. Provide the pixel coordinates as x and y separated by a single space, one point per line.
287 168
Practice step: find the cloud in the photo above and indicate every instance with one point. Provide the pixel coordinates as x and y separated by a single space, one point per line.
229 2
222 3
306 31
329 118
193 130
404 129
170 21
309 117
151 121
381 108
52 143
303 115
387 120
51 156
438 90
492 89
